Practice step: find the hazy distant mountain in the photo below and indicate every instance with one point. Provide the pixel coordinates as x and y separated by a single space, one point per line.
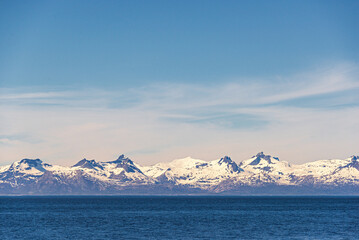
261 174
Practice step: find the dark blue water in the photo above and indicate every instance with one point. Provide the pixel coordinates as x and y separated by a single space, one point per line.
179 218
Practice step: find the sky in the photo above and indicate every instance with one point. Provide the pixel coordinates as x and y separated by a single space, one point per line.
161 80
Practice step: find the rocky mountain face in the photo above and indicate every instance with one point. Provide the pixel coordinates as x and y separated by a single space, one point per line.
261 174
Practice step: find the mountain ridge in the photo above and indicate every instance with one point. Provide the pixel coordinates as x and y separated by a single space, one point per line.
260 174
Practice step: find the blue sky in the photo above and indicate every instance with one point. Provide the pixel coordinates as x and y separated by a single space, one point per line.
159 80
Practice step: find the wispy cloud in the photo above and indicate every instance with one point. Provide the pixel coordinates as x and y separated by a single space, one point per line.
164 121
35 95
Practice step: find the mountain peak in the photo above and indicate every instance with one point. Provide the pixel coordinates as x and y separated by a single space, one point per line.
353 164
123 160
90 164
126 163
28 164
230 163
31 161
225 159
261 156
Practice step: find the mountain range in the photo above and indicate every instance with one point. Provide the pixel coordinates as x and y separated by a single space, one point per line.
259 175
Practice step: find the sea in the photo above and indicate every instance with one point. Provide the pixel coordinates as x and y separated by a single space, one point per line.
178 217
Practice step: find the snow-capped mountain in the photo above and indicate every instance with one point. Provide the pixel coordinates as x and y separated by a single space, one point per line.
334 172
260 174
193 172
264 169
120 171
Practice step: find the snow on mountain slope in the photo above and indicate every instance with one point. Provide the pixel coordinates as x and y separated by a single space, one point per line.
348 173
263 168
321 167
189 171
262 162
123 170
326 172
177 166
23 171
30 166
90 164
334 171
4 168
119 172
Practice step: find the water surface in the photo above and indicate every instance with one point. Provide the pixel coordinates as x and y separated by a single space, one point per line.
179 217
